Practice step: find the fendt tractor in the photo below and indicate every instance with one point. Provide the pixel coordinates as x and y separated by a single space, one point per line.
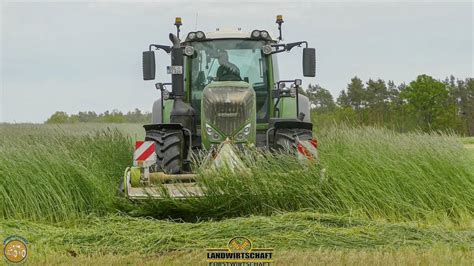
226 95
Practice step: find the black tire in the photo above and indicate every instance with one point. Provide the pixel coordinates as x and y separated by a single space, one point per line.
169 149
285 139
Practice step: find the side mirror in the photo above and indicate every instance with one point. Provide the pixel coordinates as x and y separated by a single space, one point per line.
309 62
148 65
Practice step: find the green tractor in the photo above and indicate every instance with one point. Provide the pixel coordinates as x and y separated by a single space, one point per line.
226 94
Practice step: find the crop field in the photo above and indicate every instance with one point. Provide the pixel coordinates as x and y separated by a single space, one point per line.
374 197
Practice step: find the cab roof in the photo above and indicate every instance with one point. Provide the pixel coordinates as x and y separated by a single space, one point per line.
226 33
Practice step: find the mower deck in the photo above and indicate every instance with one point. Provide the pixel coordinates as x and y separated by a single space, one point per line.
164 190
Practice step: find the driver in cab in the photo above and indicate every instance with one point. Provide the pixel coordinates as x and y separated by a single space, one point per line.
227 71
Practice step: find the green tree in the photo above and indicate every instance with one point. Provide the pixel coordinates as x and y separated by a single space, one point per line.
320 98
136 116
463 91
377 98
58 118
113 117
376 93
393 93
356 93
429 100
343 100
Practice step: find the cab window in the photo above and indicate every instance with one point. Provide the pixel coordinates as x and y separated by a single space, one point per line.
230 60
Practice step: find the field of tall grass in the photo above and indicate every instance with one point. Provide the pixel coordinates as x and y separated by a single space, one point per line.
364 172
371 189
50 174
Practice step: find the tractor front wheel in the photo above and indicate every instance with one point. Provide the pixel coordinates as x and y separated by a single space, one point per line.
286 140
169 149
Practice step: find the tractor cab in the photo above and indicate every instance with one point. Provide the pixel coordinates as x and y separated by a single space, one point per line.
229 56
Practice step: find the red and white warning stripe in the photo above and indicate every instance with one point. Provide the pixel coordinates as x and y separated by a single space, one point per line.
307 149
144 153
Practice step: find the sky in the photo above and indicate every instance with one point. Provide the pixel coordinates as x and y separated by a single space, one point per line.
86 56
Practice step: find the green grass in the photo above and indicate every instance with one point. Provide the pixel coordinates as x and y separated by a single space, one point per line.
365 172
289 231
298 238
375 195
52 175
468 140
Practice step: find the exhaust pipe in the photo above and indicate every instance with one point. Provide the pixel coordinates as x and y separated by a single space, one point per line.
177 62
182 113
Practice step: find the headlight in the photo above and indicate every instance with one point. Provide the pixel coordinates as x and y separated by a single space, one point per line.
260 34
165 94
192 35
255 33
293 91
200 35
213 134
189 50
244 133
267 49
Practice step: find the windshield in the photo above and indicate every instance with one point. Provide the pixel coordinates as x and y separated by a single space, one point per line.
230 60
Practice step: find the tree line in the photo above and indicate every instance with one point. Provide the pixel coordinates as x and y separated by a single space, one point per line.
424 104
114 116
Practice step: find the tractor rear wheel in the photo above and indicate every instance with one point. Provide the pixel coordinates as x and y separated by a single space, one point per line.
169 149
286 139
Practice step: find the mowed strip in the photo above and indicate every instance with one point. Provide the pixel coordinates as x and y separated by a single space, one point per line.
300 231
469 146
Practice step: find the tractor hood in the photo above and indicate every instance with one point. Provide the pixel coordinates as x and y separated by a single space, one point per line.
228 111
